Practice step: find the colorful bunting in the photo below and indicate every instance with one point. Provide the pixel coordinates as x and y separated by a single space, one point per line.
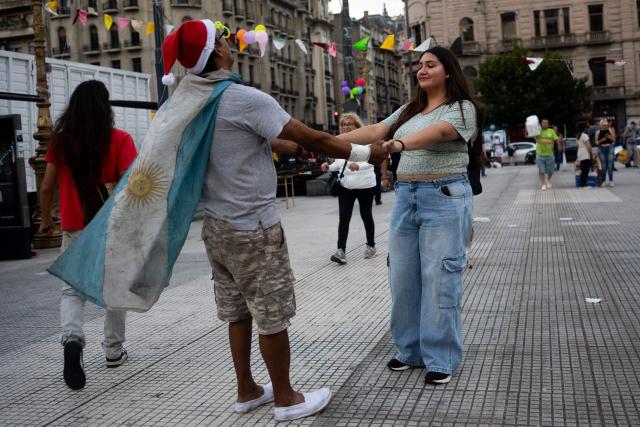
82 16
407 45
533 62
301 45
108 21
168 28
388 43
362 44
123 22
52 7
150 28
136 25
279 43
322 46
424 46
91 11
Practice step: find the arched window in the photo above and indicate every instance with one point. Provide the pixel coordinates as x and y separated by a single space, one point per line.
62 39
94 40
466 30
113 34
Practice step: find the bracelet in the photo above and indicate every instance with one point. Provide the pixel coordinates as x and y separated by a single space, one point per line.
360 153
401 143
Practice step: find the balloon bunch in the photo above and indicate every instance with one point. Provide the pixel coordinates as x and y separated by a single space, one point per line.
257 35
357 90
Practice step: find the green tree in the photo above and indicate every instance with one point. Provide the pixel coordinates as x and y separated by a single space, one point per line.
510 91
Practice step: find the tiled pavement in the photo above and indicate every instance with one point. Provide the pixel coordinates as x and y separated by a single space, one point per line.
536 352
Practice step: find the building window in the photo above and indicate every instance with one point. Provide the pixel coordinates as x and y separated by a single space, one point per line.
598 71
136 64
508 21
551 22
466 29
251 74
536 23
566 20
93 4
240 70
638 11
115 41
62 39
417 34
115 63
274 84
596 18
135 37
94 41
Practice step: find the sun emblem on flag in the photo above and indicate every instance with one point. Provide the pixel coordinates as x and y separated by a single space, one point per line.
147 183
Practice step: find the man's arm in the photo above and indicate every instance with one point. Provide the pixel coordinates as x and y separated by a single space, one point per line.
321 142
366 134
285 147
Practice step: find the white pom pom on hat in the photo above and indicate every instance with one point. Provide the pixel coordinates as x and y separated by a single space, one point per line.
191 44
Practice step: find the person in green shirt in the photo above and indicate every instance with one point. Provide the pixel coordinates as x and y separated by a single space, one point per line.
544 154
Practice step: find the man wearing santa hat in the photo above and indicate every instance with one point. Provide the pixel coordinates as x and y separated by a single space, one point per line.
243 237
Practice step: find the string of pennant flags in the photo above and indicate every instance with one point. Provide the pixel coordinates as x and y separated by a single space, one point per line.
243 38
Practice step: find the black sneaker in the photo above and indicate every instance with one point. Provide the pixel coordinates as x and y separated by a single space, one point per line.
117 361
396 365
378 202
437 378
73 366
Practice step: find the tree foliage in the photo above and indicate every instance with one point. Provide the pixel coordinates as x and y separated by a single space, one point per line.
510 91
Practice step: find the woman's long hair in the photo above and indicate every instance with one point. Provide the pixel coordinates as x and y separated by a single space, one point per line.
353 116
83 134
457 91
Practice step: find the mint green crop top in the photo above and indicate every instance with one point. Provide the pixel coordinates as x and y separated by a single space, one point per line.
442 157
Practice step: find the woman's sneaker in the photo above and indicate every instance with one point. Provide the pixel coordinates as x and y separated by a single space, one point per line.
339 257
369 252
117 361
396 365
73 372
437 378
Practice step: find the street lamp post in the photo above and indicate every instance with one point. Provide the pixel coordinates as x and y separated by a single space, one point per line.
44 123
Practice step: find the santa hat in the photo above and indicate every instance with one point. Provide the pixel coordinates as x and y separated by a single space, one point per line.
191 44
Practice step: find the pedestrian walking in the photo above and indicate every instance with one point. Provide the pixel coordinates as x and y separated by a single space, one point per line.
242 234
605 140
437 133
631 134
357 182
86 155
544 154
584 154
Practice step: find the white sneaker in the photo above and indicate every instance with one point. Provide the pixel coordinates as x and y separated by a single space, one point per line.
244 407
611 184
369 252
314 402
544 187
548 184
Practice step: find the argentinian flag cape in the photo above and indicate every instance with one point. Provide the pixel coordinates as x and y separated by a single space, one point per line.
124 257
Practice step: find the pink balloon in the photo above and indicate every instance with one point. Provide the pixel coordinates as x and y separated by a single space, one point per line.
249 37
261 36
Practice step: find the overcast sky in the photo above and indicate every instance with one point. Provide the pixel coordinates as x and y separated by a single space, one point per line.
357 7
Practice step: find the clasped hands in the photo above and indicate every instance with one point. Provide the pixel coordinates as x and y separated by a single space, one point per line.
380 150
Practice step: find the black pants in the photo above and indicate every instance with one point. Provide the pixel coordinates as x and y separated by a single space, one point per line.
346 200
585 167
378 187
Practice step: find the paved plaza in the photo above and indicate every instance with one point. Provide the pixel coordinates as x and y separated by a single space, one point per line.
536 352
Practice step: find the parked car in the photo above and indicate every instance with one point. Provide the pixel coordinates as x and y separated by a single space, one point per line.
520 150
570 149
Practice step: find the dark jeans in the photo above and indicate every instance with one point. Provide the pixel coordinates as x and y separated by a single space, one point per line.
585 167
378 187
346 200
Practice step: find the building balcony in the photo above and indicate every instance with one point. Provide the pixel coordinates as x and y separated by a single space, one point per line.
275 88
227 8
186 3
110 6
132 44
61 52
550 42
130 5
507 45
329 100
111 47
471 48
608 93
63 12
92 49
250 17
327 73
597 37
240 12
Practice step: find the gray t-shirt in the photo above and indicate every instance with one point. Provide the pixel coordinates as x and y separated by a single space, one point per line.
443 157
240 185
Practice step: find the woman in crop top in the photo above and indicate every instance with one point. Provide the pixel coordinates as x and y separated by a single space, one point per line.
432 215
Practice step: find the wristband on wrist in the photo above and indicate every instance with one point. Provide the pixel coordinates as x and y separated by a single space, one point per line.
401 143
359 153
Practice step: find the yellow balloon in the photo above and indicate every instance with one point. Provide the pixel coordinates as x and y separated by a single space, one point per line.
260 27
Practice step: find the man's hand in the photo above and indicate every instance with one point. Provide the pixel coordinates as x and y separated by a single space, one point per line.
379 153
354 166
324 167
46 225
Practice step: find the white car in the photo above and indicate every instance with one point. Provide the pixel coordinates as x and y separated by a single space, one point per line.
520 150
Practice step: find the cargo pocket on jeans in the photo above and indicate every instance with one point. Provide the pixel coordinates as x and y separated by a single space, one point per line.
450 292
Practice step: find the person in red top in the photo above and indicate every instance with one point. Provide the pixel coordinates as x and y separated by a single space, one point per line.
86 155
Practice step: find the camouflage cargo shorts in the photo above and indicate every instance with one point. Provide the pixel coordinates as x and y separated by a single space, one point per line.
252 275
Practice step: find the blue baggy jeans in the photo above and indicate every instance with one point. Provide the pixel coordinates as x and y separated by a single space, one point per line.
429 233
